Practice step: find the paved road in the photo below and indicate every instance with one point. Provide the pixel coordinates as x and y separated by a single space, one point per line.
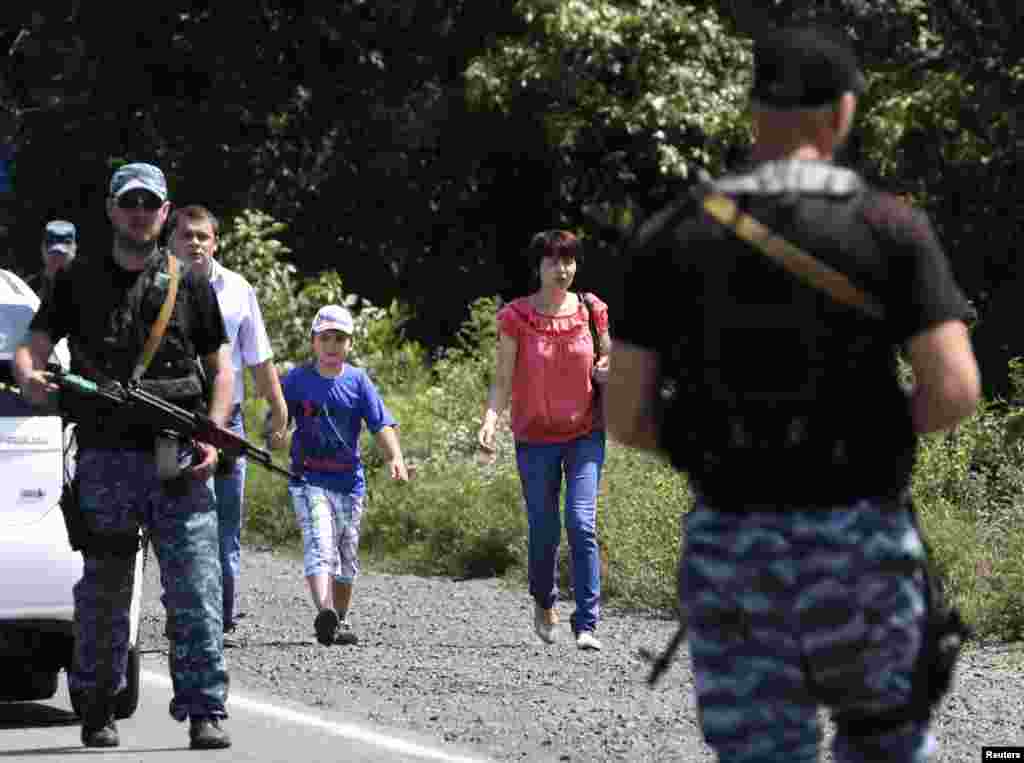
264 730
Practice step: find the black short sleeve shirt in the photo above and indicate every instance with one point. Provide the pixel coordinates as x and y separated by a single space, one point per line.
776 381
87 287
86 296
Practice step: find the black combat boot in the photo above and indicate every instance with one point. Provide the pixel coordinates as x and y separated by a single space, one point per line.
98 728
206 734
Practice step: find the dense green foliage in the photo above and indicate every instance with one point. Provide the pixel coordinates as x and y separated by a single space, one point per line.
411 143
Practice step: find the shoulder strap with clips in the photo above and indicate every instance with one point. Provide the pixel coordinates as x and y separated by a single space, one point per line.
808 269
156 333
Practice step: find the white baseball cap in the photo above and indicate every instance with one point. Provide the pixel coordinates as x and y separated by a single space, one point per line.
333 317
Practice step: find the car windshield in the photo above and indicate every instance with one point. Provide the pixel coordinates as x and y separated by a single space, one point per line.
14 320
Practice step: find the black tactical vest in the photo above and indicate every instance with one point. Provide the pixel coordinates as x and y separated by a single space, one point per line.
783 396
110 340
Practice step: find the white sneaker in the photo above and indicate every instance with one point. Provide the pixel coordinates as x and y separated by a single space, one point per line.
345 635
586 640
545 621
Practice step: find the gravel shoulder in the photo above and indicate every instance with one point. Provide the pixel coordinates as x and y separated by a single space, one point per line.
458 660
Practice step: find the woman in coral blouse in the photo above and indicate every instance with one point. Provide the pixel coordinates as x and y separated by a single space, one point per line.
548 367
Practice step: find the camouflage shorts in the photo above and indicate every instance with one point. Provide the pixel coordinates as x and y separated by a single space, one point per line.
329 521
790 611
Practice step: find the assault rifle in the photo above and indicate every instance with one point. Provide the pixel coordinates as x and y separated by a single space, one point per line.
163 416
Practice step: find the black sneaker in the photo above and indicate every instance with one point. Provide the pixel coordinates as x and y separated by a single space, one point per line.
100 735
230 626
206 734
326 625
346 636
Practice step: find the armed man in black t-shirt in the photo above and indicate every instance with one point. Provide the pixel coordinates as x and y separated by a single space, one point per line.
773 309
135 317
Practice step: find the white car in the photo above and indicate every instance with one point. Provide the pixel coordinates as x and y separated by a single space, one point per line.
37 566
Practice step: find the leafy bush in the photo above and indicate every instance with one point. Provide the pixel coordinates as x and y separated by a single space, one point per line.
250 247
640 505
288 302
969 490
478 529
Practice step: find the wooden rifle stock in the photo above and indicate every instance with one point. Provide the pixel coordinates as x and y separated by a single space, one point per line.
180 422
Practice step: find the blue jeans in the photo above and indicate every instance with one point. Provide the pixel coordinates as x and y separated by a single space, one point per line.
229 495
541 468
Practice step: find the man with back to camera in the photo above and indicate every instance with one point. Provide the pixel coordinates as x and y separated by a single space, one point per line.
108 307
803 573
193 239
59 247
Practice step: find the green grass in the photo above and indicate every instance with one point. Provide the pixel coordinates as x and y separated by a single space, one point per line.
461 517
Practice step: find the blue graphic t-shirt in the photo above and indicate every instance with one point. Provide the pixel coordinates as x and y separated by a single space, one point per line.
329 415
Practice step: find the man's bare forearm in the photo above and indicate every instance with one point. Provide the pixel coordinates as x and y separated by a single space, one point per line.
632 396
222 385
222 397
642 433
31 355
936 411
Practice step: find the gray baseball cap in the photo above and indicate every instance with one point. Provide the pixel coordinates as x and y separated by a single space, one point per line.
139 175
60 237
333 318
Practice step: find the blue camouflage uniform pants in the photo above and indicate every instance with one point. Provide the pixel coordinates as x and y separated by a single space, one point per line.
120 492
792 610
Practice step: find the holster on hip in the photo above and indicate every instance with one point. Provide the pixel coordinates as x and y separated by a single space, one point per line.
74 522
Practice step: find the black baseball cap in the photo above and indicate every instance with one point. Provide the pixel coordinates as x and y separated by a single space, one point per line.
804 67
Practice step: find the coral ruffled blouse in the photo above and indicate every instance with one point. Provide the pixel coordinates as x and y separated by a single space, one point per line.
552 390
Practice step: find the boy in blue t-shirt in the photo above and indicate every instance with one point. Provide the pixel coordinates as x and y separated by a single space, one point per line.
329 400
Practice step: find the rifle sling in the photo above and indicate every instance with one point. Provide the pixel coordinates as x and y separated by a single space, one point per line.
156 333
808 269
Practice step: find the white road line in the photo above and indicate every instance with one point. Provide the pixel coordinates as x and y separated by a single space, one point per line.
347 730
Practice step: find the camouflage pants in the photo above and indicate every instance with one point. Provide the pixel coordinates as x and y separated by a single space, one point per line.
789 611
119 492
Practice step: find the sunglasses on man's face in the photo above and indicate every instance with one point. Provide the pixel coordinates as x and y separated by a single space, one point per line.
146 201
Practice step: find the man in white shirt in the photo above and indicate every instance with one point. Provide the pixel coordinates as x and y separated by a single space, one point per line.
193 239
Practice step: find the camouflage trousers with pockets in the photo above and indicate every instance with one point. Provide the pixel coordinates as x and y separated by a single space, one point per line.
794 610
120 492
